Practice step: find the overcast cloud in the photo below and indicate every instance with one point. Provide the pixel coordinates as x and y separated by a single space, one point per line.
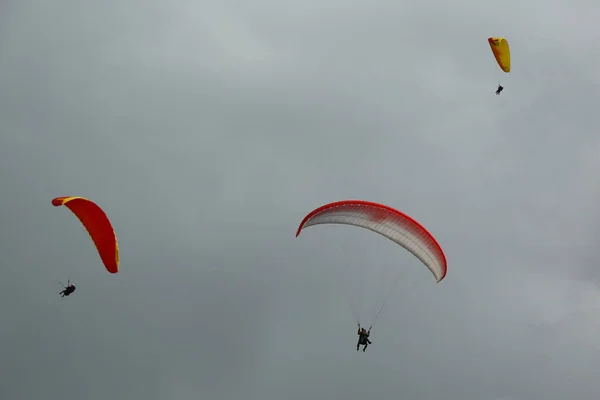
207 130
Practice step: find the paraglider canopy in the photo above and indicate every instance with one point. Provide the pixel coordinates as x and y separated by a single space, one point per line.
98 226
386 221
501 52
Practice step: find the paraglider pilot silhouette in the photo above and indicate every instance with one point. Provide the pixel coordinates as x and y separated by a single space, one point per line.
363 338
70 288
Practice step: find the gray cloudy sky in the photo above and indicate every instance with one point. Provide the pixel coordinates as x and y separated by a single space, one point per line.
207 130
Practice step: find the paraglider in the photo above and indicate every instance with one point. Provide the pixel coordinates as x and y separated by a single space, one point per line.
388 222
70 288
501 51
97 225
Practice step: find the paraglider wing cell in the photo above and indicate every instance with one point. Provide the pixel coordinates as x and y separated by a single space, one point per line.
386 221
98 226
501 52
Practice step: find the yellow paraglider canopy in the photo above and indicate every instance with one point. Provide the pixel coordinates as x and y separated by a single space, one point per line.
501 52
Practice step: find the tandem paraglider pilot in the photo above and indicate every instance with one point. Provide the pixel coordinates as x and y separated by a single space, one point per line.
70 288
363 338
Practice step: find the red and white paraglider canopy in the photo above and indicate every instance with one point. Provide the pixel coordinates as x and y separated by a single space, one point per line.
386 221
